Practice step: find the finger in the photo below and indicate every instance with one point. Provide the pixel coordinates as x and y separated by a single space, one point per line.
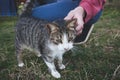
80 22
69 16
79 32
79 27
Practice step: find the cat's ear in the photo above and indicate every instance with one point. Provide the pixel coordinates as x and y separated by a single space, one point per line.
52 27
71 24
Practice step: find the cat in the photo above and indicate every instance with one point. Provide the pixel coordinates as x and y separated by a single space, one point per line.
50 40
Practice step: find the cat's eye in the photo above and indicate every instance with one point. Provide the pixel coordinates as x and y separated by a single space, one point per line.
59 38
55 42
56 38
59 41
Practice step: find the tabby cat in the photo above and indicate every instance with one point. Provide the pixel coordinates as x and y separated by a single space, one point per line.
50 40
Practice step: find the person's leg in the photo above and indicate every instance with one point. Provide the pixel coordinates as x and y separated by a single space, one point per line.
56 10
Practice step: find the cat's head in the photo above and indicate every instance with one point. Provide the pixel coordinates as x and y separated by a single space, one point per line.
62 35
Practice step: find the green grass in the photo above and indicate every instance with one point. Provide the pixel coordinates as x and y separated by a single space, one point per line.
95 60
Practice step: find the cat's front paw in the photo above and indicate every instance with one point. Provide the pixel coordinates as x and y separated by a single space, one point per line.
56 74
21 64
39 55
62 67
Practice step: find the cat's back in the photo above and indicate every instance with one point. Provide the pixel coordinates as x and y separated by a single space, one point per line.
28 22
31 30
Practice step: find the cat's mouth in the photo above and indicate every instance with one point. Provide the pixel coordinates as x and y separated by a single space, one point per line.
66 49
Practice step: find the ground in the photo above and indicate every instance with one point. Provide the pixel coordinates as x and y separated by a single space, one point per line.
97 59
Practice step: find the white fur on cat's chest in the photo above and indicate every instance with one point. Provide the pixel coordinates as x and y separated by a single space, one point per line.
55 50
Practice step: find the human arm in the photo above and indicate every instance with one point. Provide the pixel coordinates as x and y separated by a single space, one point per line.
84 12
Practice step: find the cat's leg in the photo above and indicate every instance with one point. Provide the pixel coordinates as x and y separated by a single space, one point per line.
60 64
19 50
19 57
52 69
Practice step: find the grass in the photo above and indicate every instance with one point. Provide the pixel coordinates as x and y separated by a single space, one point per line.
98 59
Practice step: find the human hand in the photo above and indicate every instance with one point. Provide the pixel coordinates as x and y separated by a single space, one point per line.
77 13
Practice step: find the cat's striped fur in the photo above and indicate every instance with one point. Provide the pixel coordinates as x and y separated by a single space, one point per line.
47 39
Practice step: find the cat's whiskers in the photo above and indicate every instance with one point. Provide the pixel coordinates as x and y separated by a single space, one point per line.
74 49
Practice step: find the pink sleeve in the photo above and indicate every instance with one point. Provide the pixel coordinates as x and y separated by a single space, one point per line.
92 7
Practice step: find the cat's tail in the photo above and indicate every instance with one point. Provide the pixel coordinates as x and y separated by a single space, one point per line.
27 8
